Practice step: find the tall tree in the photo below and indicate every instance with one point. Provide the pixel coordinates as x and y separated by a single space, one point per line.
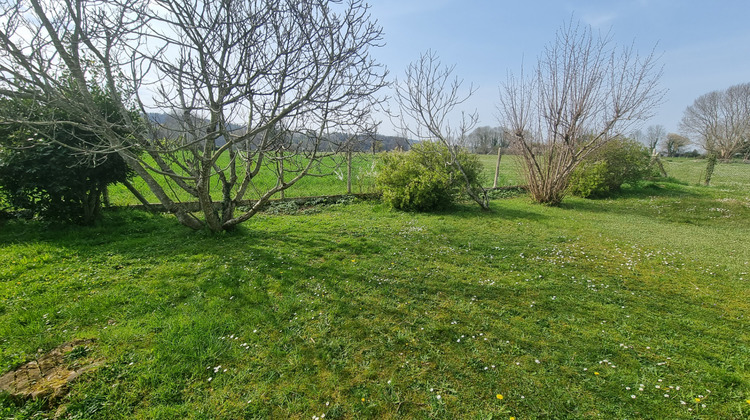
655 135
675 144
252 86
584 91
719 121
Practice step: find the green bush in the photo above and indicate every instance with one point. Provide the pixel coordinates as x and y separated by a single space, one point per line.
620 161
42 173
426 177
589 180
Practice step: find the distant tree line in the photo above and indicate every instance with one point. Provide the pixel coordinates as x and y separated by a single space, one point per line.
169 126
660 143
486 140
717 122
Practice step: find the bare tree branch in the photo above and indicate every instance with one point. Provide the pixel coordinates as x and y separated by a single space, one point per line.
240 80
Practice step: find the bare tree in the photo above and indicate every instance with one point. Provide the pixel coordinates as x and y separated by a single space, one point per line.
655 134
638 136
675 144
427 98
719 121
583 92
252 86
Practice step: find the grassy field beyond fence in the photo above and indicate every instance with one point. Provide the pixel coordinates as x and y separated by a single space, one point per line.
693 171
689 171
328 178
334 183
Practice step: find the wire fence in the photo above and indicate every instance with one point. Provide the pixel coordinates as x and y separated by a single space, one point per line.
333 181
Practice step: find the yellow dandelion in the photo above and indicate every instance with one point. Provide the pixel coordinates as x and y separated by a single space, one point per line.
499 396
512 418
596 373
363 400
697 400
747 401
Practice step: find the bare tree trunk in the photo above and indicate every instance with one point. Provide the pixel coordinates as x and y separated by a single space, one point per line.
655 160
211 216
710 169
136 193
105 196
91 205
497 166
281 173
480 197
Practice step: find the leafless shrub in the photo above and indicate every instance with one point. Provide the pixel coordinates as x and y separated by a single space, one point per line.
583 92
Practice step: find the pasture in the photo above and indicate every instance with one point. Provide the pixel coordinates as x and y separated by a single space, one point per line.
631 307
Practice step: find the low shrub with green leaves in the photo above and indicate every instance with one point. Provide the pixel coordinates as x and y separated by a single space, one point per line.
426 177
50 181
620 161
42 170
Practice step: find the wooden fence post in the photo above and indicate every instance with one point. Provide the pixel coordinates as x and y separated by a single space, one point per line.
349 171
497 166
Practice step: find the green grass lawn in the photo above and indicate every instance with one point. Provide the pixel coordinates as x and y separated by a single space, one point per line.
633 307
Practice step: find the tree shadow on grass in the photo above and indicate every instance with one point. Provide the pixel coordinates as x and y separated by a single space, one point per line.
664 201
654 189
146 272
353 314
497 211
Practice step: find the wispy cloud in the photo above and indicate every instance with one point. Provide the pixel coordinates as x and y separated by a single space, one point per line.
597 20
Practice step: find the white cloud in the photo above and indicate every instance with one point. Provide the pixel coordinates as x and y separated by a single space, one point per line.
598 20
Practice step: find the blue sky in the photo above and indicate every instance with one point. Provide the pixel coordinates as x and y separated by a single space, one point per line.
704 45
